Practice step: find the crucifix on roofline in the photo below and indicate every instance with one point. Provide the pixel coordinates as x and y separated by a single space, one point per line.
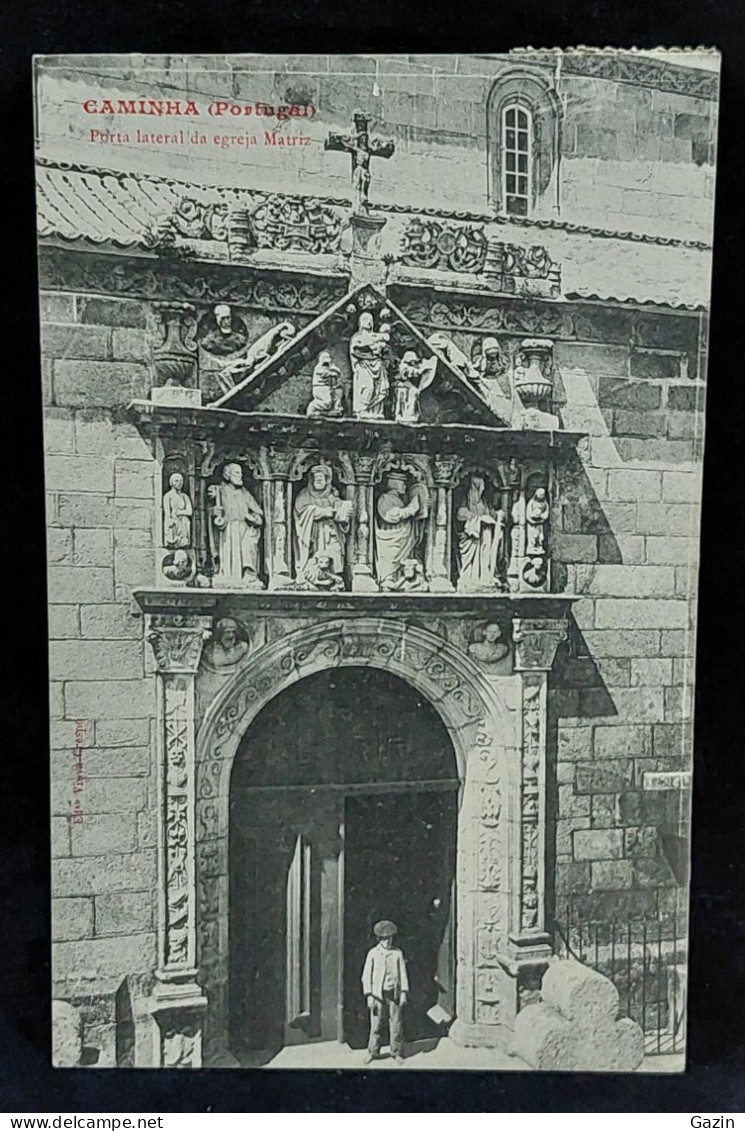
361 148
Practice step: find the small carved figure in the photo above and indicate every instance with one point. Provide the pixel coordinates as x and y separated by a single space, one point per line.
414 375
321 520
255 354
319 574
226 649
444 345
326 388
537 514
224 332
178 566
491 649
480 540
235 530
177 512
535 571
408 578
361 147
400 526
368 352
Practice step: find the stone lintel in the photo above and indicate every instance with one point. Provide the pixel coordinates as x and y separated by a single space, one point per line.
553 607
228 425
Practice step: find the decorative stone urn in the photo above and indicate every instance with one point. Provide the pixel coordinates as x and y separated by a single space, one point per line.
533 384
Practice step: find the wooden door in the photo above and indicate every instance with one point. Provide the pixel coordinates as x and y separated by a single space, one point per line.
285 917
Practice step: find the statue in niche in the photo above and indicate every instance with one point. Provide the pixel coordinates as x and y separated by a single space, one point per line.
490 649
254 355
369 352
537 512
489 364
177 512
399 530
413 376
321 521
235 530
407 578
222 332
326 388
479 541
226 649
319 575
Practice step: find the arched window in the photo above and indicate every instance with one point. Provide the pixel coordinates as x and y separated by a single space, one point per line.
524 144
516 158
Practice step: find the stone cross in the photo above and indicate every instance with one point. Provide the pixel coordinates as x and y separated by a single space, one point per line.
361 148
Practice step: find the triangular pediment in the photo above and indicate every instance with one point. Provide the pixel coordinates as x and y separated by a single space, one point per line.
282 381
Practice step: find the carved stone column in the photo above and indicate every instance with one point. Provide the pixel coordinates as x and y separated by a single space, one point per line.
439 568
277 503
363 572
178 1002
536 642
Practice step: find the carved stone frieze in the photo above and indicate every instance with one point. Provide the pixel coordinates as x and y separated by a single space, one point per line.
189 282
285 223
435 244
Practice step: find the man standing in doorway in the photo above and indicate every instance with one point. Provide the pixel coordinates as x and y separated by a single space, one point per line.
385 984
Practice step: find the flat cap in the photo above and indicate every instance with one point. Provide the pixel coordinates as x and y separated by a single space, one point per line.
385 929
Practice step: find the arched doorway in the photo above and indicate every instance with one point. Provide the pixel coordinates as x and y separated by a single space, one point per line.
343 810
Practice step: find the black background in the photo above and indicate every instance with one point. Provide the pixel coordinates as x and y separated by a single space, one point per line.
715 1080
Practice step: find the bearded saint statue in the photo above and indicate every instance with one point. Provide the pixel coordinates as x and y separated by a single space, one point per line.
321 521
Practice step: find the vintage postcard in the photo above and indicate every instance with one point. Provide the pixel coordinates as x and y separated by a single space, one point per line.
374 409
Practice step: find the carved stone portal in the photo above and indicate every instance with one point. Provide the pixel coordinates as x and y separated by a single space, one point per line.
499 922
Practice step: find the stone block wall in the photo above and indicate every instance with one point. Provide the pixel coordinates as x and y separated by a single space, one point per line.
100 514
628 537
632 157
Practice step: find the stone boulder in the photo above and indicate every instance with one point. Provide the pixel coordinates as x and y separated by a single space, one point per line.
575 1027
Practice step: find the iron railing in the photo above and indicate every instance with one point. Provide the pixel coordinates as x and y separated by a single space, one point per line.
646 959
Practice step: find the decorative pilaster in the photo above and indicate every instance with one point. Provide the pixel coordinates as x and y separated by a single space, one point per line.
277 502
536 642
363 573
445 470
178 1002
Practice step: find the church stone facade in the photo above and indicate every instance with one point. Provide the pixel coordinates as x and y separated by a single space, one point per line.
340 433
